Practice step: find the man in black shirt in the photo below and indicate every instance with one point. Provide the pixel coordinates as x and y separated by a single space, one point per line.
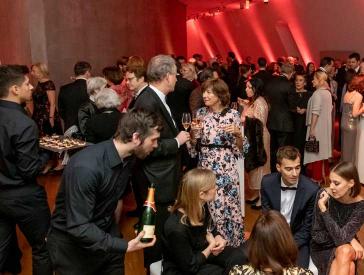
84 239
22 200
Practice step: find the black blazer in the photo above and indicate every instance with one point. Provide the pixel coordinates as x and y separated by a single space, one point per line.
178 100
302 212
132 102
263 75
276 92
71 97
162 166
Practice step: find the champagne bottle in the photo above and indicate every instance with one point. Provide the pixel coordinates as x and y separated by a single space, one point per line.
147 222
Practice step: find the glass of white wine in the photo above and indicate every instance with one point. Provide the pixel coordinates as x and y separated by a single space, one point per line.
186 120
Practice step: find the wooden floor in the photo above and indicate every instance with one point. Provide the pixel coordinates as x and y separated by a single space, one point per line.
134 260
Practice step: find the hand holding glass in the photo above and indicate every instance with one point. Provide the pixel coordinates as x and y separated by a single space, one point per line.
186 120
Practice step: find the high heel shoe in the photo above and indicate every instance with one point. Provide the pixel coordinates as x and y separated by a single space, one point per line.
253 201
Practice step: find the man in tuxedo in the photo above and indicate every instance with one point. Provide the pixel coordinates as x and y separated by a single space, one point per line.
293 195
280 120
163 165
73 95
135 79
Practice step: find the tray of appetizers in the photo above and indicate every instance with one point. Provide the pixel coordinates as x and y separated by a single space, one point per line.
60 144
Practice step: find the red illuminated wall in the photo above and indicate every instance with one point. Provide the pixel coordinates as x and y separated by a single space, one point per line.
283 27
60 33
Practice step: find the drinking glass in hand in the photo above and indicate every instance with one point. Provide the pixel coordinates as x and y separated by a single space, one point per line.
234 105
186 120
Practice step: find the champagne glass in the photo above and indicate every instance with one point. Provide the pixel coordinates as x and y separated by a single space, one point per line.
234 105
186 120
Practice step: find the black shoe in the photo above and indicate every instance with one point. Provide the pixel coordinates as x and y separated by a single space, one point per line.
256 207
133 213
252 201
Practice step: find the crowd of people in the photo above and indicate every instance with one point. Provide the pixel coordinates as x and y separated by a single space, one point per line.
279 117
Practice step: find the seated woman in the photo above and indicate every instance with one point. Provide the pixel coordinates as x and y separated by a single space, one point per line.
189 246
338 216
103 125
271 248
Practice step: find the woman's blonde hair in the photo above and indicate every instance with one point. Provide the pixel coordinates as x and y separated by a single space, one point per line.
321 75
193 182
42 68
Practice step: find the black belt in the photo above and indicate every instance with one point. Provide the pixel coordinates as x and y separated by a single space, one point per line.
224 146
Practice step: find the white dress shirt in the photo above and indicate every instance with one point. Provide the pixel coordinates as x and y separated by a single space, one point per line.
162 97
287 200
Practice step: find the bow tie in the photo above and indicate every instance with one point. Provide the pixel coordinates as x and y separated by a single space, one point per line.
288 188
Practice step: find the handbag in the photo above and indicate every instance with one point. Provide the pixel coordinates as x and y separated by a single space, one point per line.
312 145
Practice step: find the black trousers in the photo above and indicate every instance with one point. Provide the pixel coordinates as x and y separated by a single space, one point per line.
28 208
277 140
69 258
215 265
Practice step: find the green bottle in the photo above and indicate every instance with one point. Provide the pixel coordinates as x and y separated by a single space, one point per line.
147 222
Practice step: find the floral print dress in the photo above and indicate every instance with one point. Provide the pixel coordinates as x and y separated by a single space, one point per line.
219 153
42 109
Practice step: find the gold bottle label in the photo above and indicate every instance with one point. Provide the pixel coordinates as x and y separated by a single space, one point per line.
149 231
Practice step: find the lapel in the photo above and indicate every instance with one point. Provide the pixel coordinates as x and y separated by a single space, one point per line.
297 199
164 112
276 193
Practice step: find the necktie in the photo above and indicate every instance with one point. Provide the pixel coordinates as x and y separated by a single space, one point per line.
288 188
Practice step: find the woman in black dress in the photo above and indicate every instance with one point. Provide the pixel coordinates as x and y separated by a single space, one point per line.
338 216
190 245
45 114
298 102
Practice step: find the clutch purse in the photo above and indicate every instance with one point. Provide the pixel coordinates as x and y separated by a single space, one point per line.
312 145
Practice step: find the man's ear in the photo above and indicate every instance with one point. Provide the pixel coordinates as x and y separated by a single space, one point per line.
14 90
136 139
278 167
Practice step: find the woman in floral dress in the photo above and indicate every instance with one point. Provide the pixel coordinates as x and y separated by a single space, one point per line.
219 146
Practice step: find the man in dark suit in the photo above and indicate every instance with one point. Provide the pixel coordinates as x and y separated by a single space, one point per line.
163 166
280 120
293 195
262 73
73 95
179 99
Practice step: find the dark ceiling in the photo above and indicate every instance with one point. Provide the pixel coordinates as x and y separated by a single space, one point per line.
197 6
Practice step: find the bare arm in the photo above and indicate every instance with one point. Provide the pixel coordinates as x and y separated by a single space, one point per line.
358 107
51 94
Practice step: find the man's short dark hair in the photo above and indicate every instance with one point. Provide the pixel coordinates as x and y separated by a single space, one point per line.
138 121
81 68
355 55
327 60
231 54
113 74
10 75
287 152
262 62
139 71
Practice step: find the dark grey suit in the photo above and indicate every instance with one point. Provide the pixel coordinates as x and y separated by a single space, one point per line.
162 167
302 212
71 97
280 118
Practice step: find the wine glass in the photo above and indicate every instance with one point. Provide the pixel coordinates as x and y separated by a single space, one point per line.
234 105
186 120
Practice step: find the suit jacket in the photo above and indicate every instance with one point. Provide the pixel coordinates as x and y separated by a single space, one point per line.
178 100
276 92
71 97
132 102
162 166
263 75
304 202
